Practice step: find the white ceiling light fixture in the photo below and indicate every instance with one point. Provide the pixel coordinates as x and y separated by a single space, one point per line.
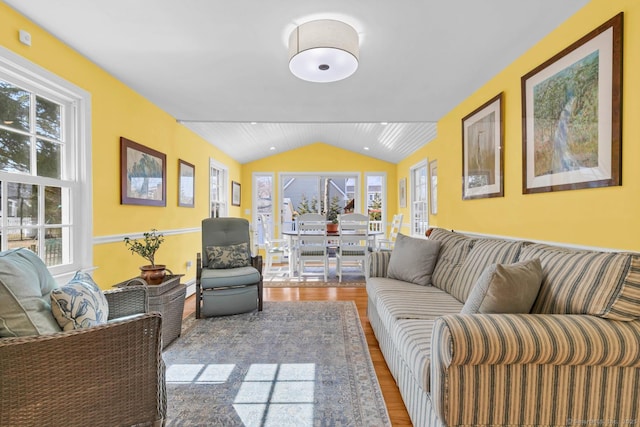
323 51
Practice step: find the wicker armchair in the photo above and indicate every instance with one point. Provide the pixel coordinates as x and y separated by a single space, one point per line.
108 375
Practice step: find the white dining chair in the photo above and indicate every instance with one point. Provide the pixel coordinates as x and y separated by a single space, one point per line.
388 243
311 244
273 247
353 245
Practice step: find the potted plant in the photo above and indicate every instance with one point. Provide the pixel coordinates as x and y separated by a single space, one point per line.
147 247
332 214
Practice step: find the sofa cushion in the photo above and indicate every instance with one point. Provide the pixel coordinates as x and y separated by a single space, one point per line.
412 338
231 256
508 288
25 285
604 284
454 248
79 304
413 259
483 253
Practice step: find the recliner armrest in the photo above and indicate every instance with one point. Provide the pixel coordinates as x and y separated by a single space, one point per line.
256 262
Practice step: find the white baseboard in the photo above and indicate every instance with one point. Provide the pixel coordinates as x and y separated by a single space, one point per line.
191 287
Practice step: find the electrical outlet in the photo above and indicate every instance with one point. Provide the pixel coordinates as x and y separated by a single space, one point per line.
189 264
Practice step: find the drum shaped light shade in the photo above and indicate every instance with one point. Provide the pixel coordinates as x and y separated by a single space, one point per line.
323 51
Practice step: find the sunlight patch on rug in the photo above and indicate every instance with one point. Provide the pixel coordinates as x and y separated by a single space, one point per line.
293 364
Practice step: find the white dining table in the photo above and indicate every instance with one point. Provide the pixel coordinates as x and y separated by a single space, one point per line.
333 237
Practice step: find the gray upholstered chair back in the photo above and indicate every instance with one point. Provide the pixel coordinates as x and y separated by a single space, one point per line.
223 232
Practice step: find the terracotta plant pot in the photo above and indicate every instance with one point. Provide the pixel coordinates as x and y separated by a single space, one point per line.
332 228
153 275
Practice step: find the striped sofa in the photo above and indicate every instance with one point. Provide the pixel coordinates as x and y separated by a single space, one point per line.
574 360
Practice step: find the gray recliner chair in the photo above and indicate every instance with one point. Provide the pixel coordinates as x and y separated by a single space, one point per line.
228 278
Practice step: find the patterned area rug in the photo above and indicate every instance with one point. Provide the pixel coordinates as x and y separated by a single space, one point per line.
294 364
278 277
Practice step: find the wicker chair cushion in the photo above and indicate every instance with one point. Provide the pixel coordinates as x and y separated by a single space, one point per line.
25 285
231 256
79 304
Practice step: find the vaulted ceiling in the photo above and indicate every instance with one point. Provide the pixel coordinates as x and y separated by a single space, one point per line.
221 67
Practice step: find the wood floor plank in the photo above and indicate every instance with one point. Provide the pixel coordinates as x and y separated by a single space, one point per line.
397 411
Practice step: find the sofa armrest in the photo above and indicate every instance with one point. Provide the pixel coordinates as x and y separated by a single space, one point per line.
535 362
498 339
379 263
112 374
127 301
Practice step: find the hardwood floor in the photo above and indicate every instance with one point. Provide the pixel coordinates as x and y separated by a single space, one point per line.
397 412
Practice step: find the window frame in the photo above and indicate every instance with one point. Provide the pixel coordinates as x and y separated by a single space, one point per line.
383 196
76 166
273 217
419 207
223 188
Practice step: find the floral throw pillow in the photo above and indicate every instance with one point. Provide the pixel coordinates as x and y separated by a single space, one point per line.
79 304
232 256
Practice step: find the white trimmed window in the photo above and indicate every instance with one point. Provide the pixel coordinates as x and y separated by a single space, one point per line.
45 165
419 199
217 189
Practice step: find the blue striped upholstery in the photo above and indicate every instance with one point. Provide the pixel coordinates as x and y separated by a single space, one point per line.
602 284
379 263
544 369
538 370
454 248
483 253
417 401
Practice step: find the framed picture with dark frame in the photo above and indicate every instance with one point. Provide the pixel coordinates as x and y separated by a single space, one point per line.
186 184
571 109
235 193
482 151
143 175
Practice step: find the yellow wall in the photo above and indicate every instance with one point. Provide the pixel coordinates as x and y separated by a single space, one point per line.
603 217
119 111
321 157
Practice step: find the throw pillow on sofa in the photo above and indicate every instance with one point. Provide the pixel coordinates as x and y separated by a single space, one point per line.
25 285
505 288
413 260
79 304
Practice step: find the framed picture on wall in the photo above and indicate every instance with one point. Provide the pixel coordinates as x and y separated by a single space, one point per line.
433 179
482 147
402 192
235 193
186 184
571 109
143 175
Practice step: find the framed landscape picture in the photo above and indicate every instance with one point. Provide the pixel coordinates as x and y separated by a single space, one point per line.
143 175
571 109
482 151
186 184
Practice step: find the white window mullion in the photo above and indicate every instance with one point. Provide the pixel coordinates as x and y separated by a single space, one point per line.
73 142
419 198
